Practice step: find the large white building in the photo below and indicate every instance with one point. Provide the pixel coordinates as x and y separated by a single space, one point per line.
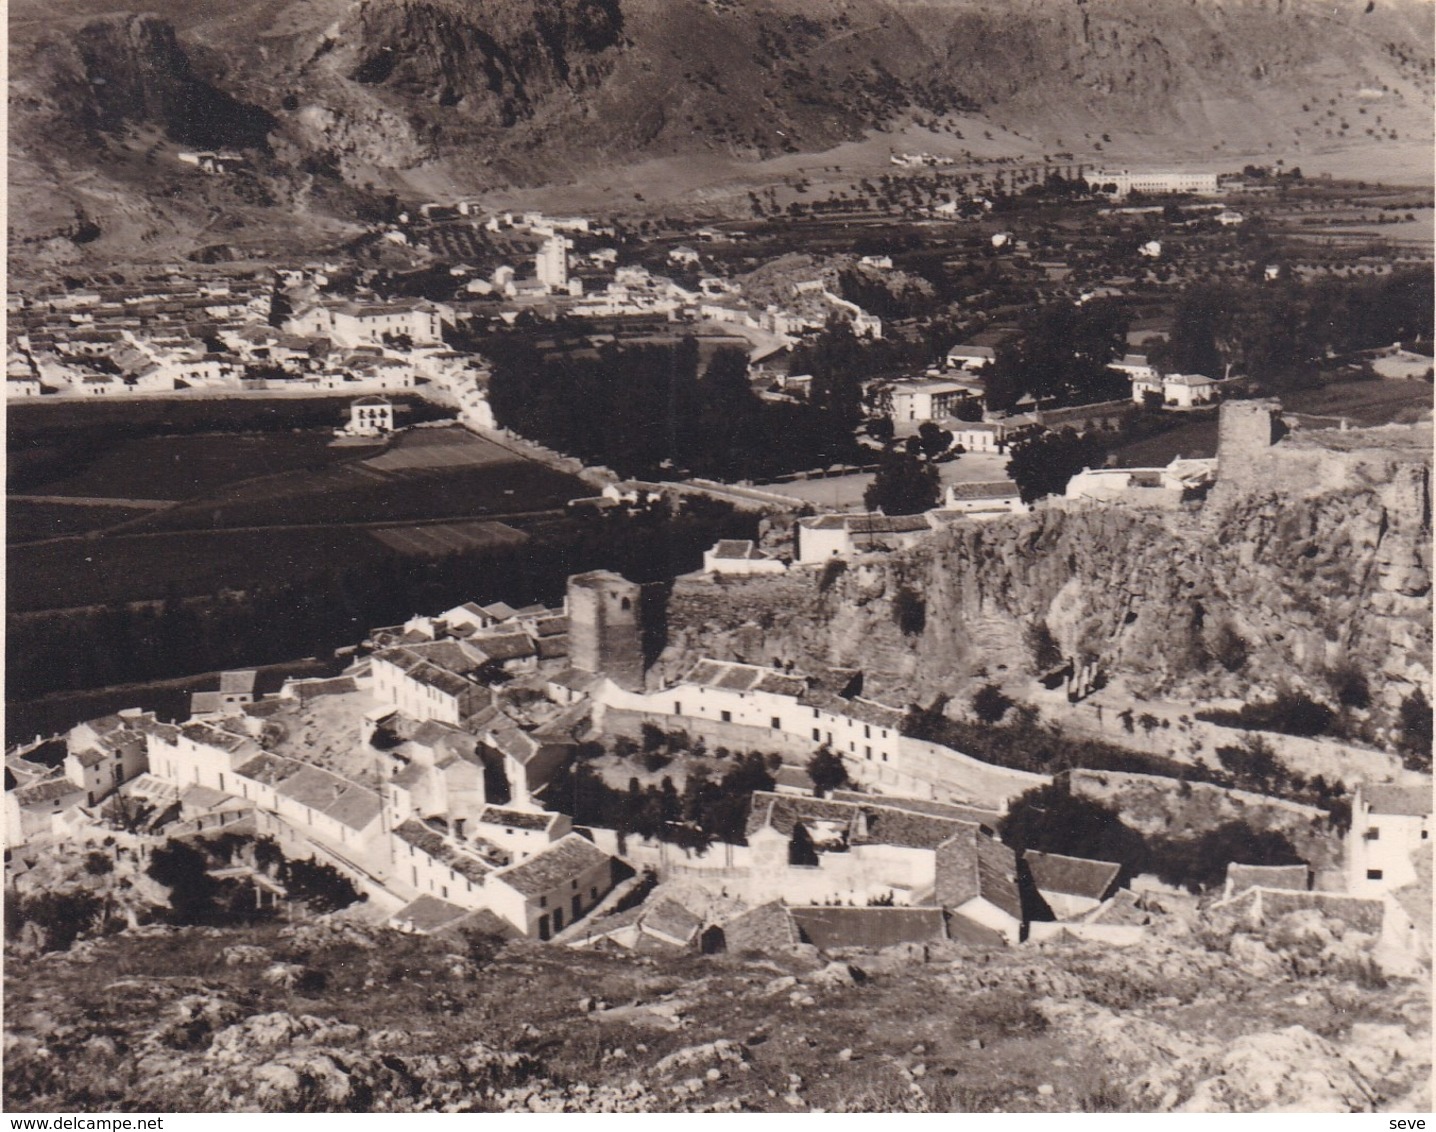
1152 181
551 263
370 324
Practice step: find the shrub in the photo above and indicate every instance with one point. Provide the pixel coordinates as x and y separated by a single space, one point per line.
909 612
990 703
833 569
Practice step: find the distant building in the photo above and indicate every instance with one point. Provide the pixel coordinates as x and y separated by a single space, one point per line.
371 416
1001 495
831 536
928 400
739 556
551 263
971 358
1127 182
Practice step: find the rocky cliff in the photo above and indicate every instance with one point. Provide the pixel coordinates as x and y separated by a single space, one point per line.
1260 588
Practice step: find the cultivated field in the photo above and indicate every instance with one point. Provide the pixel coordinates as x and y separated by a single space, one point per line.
433 539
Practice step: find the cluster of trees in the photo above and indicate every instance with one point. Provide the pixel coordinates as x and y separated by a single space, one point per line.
1043 463
1015 737
312 615
646 410
905 484
1279 332
706 810
198 898
60 918
1051 820
1061 357
1290 713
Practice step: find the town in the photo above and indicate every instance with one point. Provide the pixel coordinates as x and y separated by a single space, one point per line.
667 766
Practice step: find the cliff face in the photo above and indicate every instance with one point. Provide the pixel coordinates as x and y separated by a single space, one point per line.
1256 590
133 70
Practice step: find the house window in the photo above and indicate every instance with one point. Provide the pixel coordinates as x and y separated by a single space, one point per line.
726 716
1373 874
543 901
677 708
573 884
1425 834
777 723
445 890
816 734
867 731
1373 834
868 751
593 893
885 756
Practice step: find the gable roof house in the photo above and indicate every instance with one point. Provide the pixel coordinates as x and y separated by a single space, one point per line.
554 888
1071 886
977 881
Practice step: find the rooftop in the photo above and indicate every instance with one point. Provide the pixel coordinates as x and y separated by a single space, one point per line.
564 860
1072 876
735 677
1406 801
516 819
434 845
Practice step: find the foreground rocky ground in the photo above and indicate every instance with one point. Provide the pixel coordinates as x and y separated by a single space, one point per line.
340 1016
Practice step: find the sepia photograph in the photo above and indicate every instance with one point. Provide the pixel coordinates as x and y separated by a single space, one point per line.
718 556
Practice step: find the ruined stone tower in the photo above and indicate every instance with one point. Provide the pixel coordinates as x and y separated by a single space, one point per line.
1246 431
605 630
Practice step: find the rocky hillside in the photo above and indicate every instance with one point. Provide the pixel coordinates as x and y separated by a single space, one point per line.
340 1017
455 96
1257 589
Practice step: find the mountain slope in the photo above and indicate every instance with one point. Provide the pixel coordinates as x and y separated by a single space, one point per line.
453 95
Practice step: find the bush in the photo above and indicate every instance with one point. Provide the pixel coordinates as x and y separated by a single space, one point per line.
910 612
833 569
990 703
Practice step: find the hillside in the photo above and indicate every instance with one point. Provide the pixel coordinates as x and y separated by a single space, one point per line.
342 1017
447 97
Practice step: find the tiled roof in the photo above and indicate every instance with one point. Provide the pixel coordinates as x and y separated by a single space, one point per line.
551 648
1001 489
867 524
410 776
550 626
424 672
238 682
427 914
952 810
1296 878
269 770
504 646
867 823
89 757
49 790
308 690
204 703
829 928
1404 801
1072 876
516 819
734 677
550 868
671 919
997 876
428 842
734 548
337 798
210 736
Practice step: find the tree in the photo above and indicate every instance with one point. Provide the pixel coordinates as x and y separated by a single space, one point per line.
1414 734
990 703
827 771
933 439
801 850
904 485
1041 465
